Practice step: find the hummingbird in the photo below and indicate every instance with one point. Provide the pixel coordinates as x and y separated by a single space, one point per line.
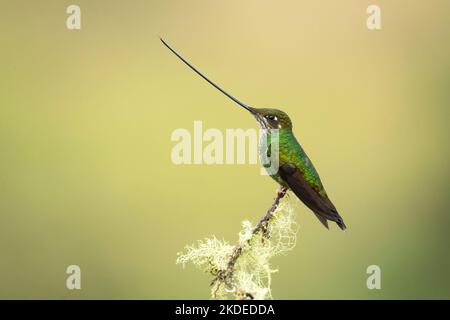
295 170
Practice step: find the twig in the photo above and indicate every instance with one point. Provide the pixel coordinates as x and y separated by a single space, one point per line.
226 276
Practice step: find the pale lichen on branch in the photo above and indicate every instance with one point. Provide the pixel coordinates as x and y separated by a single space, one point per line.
243 271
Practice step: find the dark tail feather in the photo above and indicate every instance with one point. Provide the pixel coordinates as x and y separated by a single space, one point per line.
340 223
335 218
323 220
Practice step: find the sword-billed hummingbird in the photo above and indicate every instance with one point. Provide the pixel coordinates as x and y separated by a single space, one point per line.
296 171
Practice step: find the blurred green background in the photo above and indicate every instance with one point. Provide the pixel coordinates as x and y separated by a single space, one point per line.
86 118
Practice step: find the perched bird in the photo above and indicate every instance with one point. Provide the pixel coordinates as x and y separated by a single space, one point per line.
296 172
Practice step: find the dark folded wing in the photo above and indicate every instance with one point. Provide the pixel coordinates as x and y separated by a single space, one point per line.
322 207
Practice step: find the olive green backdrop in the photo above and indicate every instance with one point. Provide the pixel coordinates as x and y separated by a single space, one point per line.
86 118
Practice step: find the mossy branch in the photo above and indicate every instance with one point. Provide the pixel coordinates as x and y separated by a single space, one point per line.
226 276
243 270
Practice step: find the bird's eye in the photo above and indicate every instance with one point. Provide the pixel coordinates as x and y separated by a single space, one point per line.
271 117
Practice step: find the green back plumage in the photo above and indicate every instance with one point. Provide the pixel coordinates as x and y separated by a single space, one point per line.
290 151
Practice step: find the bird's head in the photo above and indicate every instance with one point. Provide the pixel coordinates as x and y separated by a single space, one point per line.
271 118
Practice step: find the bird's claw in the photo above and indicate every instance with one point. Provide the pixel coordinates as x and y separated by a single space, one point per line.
281 191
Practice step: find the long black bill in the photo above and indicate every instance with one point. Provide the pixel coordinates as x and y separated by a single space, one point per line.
204 77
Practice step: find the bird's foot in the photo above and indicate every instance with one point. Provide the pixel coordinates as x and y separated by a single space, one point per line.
281 191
